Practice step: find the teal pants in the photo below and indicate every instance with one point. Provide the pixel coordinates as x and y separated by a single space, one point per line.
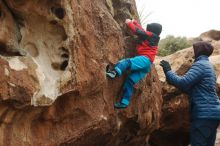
139 67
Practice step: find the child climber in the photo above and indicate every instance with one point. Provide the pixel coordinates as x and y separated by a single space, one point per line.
139 65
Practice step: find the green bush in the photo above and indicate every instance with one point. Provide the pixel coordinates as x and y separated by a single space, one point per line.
171 44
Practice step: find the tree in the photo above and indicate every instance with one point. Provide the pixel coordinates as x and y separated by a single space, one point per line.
171 44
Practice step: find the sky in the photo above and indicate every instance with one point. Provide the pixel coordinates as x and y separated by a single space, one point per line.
187 18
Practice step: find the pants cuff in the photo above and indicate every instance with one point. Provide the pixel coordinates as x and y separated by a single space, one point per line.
118 71
125 101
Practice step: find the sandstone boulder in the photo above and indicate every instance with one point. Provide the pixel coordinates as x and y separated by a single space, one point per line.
53 87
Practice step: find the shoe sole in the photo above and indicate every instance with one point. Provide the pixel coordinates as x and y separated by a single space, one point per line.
120 107
109 75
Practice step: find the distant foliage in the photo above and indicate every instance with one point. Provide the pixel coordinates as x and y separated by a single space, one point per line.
171 44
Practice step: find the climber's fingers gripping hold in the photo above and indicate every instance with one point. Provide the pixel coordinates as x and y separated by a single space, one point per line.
127 21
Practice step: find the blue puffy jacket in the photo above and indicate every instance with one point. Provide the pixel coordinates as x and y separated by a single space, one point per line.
200 84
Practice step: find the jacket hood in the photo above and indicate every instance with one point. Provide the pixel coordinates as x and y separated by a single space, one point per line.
155 28
202 48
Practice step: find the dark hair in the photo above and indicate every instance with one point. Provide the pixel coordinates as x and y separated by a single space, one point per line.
202 48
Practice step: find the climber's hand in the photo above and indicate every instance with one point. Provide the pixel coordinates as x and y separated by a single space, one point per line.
134 21
165 65
127 21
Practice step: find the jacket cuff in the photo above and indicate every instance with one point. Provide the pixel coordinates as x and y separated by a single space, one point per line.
131 26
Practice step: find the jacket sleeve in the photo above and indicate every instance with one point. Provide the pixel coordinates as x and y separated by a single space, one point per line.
137 25
138 30
184 83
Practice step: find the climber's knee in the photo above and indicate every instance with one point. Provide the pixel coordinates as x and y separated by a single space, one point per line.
122 65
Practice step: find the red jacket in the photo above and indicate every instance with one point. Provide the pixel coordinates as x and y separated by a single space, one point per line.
148 41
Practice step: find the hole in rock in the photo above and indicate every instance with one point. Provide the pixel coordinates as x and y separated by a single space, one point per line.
65 55
55 65
64 49
63 65
53 22
59 12
64 60
2 48
5 52
64 37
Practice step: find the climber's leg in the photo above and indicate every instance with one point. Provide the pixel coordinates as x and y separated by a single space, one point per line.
130 81
126 94
132 64
119 68
140 66
140 63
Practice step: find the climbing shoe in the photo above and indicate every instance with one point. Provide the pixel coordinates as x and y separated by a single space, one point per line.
120 105
110 73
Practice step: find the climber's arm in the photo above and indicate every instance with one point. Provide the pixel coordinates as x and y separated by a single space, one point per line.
137 29
143 34
131 25
137 24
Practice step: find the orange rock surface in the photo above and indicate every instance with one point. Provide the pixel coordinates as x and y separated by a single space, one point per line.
53 87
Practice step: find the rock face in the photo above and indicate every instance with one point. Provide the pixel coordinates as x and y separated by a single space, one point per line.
175 114
53 88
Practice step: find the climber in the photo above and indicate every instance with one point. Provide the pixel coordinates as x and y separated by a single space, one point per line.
140 65
200 84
